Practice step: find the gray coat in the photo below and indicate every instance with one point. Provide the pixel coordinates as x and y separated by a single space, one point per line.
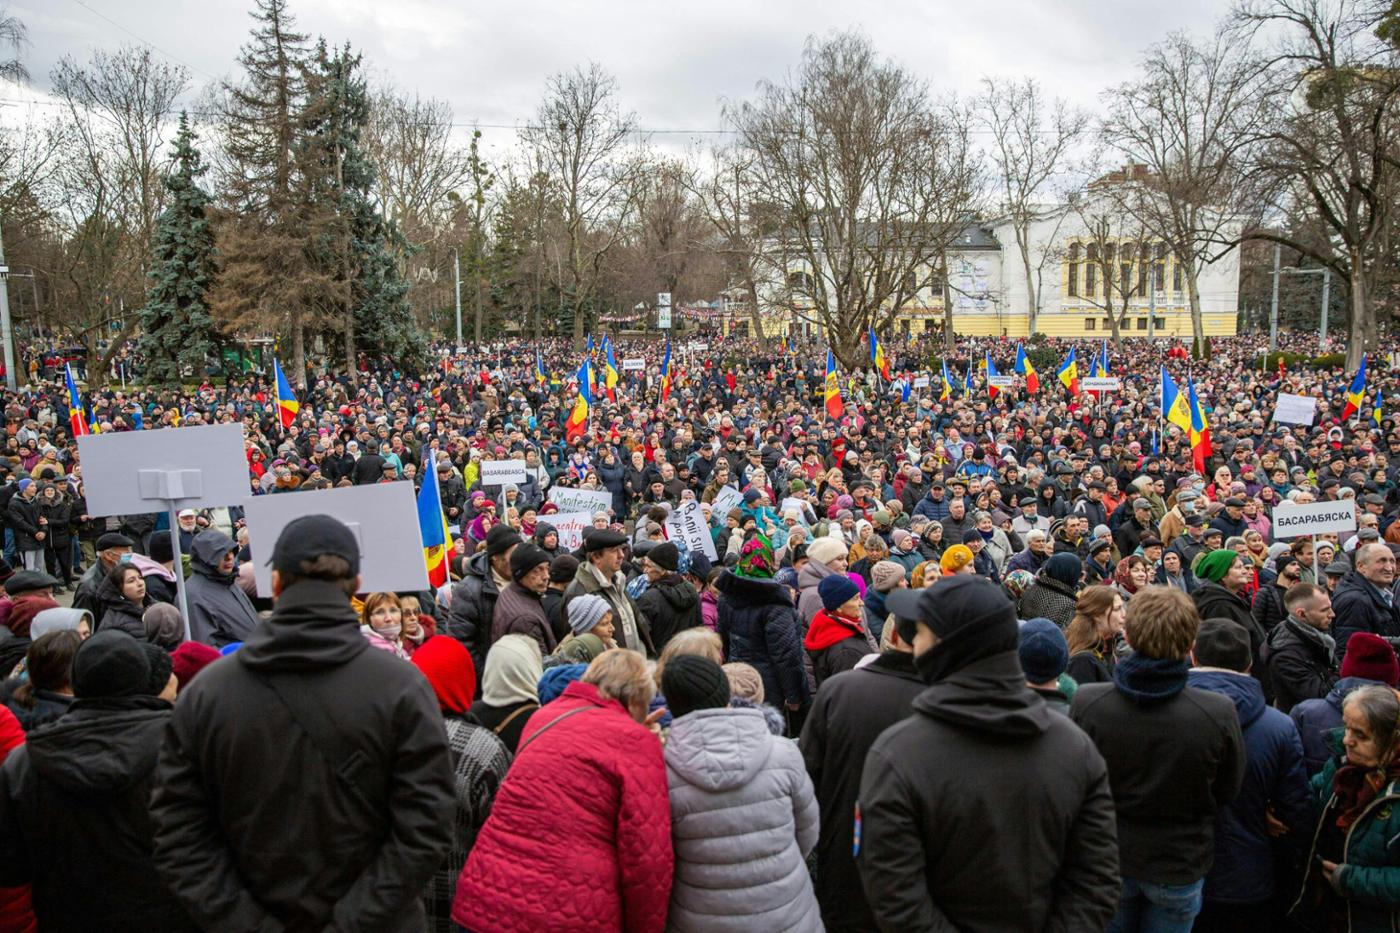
220 612
743 820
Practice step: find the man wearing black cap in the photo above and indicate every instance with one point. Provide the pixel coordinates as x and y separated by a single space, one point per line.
111 548
669 603
519 610
600 573
1230 520
309 744
474 597
985 809
1138 526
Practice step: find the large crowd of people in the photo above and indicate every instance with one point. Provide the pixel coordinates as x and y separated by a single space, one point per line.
940 658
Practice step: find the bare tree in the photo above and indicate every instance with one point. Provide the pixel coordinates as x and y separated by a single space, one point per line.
419 164
1120 263
580 135
14 36
1032 141
1333 150
871 181
1191 119
728 195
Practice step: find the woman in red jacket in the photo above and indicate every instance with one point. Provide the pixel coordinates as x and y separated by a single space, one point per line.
579 836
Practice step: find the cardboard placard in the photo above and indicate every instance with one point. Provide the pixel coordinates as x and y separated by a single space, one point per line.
579 500
500 472
921 382
571 526
1314 518
203 467
797 505
727 498
687 524
1100 383
633 364
1002 382
1295 409
384 518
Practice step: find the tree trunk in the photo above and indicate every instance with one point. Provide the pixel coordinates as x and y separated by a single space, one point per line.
298 355
947 307
1032 298
350 368
1363 315
1193 296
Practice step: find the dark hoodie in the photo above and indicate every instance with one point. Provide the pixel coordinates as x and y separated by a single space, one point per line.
220 612
671 605
118 612
543 528
984 760
356 850
74 811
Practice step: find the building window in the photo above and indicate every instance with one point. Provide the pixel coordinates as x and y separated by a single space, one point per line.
1176 276
1090 323
1091 270
1158 322
1108 323
1072 286
1125 280
1160 276
1142 323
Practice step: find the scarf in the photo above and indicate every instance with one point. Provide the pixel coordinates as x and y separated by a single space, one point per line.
1147 681
1123 576
1356 787
756 559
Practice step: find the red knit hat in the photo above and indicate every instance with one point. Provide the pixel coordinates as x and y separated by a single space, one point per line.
448 666
189 658
1371 657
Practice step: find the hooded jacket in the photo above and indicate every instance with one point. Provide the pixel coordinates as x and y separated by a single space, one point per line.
758 625
291 843
1048 598
1214 601
809 601
75 820
119 612
835 644
744 818
220 612
984 759
847 716
670 605
1274 776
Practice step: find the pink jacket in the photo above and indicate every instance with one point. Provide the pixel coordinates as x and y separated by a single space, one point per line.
579 837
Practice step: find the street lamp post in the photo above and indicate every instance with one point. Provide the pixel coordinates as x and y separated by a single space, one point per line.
6 331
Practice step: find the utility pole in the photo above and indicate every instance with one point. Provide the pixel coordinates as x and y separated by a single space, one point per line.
1273 305
1326 293
6 330
457 282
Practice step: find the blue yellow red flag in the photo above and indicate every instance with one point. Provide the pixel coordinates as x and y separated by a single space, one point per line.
432 525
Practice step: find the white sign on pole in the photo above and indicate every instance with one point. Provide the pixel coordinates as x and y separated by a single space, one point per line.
571 526
701 347
634 364
727 498
687 524
1314 518
797 505
131 472
383 518
579 500
663 310
921 382
1100 383
1295 409
1002 382
500 472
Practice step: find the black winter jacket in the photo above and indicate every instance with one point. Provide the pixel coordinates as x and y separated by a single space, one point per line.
473 608
847 716
759 625
984 759
22 517
1268 609
255 827
670 605
1214 601
1359 608
1300 665
75 819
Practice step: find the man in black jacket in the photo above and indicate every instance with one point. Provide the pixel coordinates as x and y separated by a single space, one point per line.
847 716
985 809
1300 654
305 782
1364 601
669 603
22 516
75 798
474 597
1175 756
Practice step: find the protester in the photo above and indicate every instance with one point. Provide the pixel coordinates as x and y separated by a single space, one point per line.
837 639
1371 661
1054 594
519 607
1175 757
1300 655
759 625
670 603
601 854
1094 638
1044 655
123 596
362 846
220 612
1364 601
45 693
982 758
474 598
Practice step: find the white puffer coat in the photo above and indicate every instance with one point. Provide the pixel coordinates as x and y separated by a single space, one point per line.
743 819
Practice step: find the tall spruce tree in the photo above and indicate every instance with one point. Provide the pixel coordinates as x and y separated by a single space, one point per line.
359 283
177 330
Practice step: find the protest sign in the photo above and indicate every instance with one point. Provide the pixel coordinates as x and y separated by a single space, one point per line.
500 472
797 505
1295 409
580 500
571 526
921 382
1100 383
634 364
1314 518
687 524
727 498
1002 382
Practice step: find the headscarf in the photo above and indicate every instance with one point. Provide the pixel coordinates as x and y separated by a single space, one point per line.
756 559
1214 565
1016 583
1123 575
1064 568
513 671
448 666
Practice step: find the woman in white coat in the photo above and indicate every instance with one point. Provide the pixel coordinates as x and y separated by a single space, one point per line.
743 813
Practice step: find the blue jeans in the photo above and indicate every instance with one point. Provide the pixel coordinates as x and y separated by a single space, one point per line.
1144 907
11 554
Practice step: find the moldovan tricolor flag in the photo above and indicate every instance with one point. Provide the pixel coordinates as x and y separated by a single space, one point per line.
991 371
77 422
1174 406
834 406
432 525
877 354
947 384
577 425
666 371
610 369
287 404
1024 367
1068 373
1200 429
1356 392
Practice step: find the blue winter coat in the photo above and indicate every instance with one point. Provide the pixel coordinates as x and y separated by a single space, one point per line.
1243 872
1316 718
758 625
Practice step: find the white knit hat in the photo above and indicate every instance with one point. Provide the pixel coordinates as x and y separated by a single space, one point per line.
587 611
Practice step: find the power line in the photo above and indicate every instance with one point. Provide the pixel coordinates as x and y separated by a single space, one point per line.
145 42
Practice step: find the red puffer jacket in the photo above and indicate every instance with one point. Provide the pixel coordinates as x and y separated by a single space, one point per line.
579 836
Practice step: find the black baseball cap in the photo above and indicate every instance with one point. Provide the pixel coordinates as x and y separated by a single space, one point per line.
311 536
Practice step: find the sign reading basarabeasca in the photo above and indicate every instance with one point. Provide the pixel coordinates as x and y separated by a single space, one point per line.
1314 518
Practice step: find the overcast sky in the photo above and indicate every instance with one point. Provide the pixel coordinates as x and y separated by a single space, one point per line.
675 62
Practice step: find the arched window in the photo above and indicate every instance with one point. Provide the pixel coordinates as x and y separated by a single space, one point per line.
1072 287
1091 270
